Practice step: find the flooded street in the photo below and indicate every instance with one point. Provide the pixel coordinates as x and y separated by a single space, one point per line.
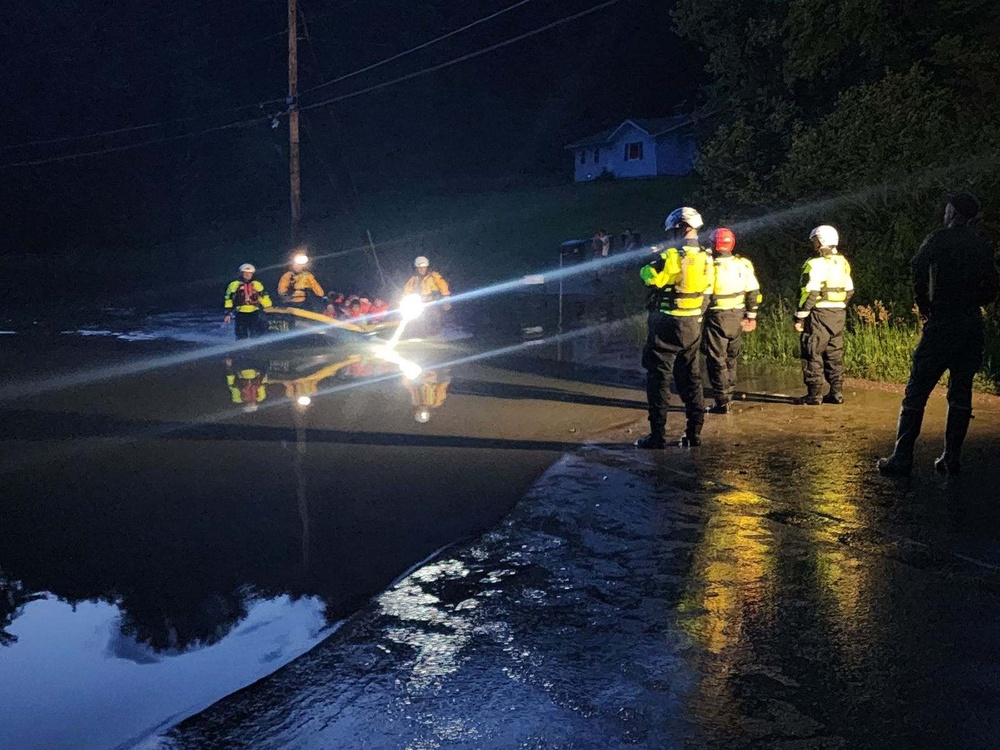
336 551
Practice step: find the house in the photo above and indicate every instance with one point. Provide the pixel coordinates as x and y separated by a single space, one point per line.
638 148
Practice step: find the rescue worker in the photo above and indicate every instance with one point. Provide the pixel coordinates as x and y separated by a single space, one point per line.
295 286
246 296
430 285
827 287
954 275
679 281
732 310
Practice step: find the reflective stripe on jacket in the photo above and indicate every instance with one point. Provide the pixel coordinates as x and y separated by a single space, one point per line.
734 285
246 296
826 284
296 285
429 286
680 279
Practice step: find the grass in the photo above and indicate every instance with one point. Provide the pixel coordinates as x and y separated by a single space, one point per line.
877 346
473 237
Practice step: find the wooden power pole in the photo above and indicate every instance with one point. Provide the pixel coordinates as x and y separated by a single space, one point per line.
293 118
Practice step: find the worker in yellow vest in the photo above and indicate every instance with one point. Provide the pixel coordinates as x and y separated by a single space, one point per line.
679 281
297 284
827 287
247 298
732 311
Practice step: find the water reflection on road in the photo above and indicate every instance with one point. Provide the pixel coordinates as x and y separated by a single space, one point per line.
171 537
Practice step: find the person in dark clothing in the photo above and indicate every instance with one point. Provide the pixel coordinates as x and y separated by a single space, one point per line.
954 275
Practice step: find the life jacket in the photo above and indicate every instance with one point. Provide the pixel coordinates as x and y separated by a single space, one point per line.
679 279
246 295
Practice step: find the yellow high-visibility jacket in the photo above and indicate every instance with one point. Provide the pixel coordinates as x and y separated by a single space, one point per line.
431 391
295 285
680 279
734 285
826 284
247 386
430 286
246 296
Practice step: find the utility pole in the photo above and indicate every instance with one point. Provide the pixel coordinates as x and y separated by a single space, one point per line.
293 118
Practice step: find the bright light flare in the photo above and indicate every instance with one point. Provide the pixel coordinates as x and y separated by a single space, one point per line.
411 307
300 259
303 401
410 370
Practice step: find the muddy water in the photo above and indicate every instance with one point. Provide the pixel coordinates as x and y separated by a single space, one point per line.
767 590
173 535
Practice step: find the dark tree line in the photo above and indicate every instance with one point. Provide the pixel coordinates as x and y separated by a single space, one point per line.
864 113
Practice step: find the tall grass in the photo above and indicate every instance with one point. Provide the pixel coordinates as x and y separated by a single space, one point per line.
878 344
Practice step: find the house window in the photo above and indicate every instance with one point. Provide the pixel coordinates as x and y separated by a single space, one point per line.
583 157
633 151
597 155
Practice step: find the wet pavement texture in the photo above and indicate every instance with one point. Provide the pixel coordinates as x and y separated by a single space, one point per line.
766 590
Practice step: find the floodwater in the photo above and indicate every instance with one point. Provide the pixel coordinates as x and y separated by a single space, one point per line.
175 534
359 572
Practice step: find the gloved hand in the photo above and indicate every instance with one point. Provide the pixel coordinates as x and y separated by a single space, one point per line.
749 325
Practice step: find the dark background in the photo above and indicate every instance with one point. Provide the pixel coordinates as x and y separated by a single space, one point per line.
495 121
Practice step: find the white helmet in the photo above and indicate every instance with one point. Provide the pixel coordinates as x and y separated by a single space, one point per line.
826 235
421 262
684 215
247 267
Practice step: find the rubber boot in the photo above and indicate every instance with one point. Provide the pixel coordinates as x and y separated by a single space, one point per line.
814 397
692 434
655 439
954 435
836 394
721 406
900 463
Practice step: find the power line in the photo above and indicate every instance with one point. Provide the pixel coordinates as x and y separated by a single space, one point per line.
418 47
248 121
136 128
463 58
114 149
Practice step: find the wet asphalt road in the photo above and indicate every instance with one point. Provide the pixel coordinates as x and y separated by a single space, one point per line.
768 590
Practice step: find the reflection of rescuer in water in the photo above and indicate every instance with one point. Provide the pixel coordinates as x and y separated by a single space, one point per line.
827 287
247 382
428 392
246 296
732 310
679 281
954 275
296 285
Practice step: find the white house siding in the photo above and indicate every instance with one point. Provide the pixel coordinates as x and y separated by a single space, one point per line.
672 153
590 169
617 163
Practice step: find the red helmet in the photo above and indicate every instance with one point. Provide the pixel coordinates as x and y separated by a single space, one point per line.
723 240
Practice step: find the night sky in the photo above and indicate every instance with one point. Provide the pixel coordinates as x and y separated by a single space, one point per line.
502 118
